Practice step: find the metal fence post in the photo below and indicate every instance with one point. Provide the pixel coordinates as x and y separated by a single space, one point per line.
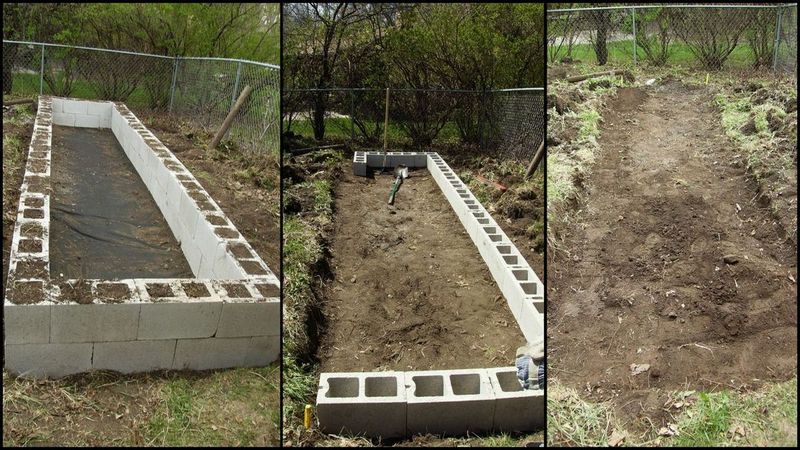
352 116
236 84
41 73
174 80
633 17
777 40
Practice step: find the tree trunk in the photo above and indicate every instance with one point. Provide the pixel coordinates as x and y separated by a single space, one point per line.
600 44
318 122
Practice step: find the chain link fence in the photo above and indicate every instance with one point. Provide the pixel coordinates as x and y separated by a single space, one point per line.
508 123
201 90
708 36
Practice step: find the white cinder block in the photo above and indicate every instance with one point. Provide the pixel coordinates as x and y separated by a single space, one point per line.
134 356
75 106
47 360
94 323
26 324
449 402
179 320
87 121
65 119
213 353
371 404
100 109
250 319
516 410
262 351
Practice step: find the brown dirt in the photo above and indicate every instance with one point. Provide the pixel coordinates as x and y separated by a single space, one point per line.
79 291
113 292
157 290
31 268
27 292
236 290
410 290
646 270
195 290
268 290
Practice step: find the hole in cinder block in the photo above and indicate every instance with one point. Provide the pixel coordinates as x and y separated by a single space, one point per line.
428 385
195 290
252 268
237 290
268 290
511 259
157 290
33 214
508 381
473 207
461 191
30 245
504 249
466 384
381 386
342 387
490 230
34 202
521 275
495 237
112 291
529 288
31 268
216 220
477 214
27 292
483 221
226 233
464 195
240 250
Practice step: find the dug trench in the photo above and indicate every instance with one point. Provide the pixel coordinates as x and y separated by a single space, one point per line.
674 269
409 290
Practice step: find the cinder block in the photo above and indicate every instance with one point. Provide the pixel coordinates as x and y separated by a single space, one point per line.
358 403
250 319
193 256
449 402
93 323
65 119
360 169
213 353
47 360
179 320
87 121
100 109
531 322
26 324
56 105
262 351
75 106
134 356
516 409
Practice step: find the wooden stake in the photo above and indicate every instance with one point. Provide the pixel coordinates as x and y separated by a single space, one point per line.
577 78
537 158
386 121
20 101
231 115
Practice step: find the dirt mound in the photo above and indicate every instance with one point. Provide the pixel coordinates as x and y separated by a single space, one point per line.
674 264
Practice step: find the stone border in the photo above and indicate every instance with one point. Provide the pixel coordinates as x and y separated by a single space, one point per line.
449 402
228 316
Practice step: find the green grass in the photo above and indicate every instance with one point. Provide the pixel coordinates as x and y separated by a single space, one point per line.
338 129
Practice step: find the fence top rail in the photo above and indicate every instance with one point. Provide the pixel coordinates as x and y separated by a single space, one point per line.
455 91
622 8
124 52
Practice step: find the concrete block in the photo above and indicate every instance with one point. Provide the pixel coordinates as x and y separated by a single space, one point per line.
360 169
212 353
262 351
134 356
449 402
26 324
87 121
193 256
75 106
93 323
250 319
65 119
56 105
100 109
47 360
531 322
358 403
179 320
516 409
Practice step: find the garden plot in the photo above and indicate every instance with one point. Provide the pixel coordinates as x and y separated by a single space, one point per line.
413 310
678 276
103 276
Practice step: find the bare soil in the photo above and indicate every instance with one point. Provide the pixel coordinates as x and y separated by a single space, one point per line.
645 267
410 290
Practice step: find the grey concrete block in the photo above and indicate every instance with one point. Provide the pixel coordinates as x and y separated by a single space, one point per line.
371 404
87 121
262 351
93 323
134 356
212 353
26 324
75 106
516 410
47 360
179 320
250 319
449 402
